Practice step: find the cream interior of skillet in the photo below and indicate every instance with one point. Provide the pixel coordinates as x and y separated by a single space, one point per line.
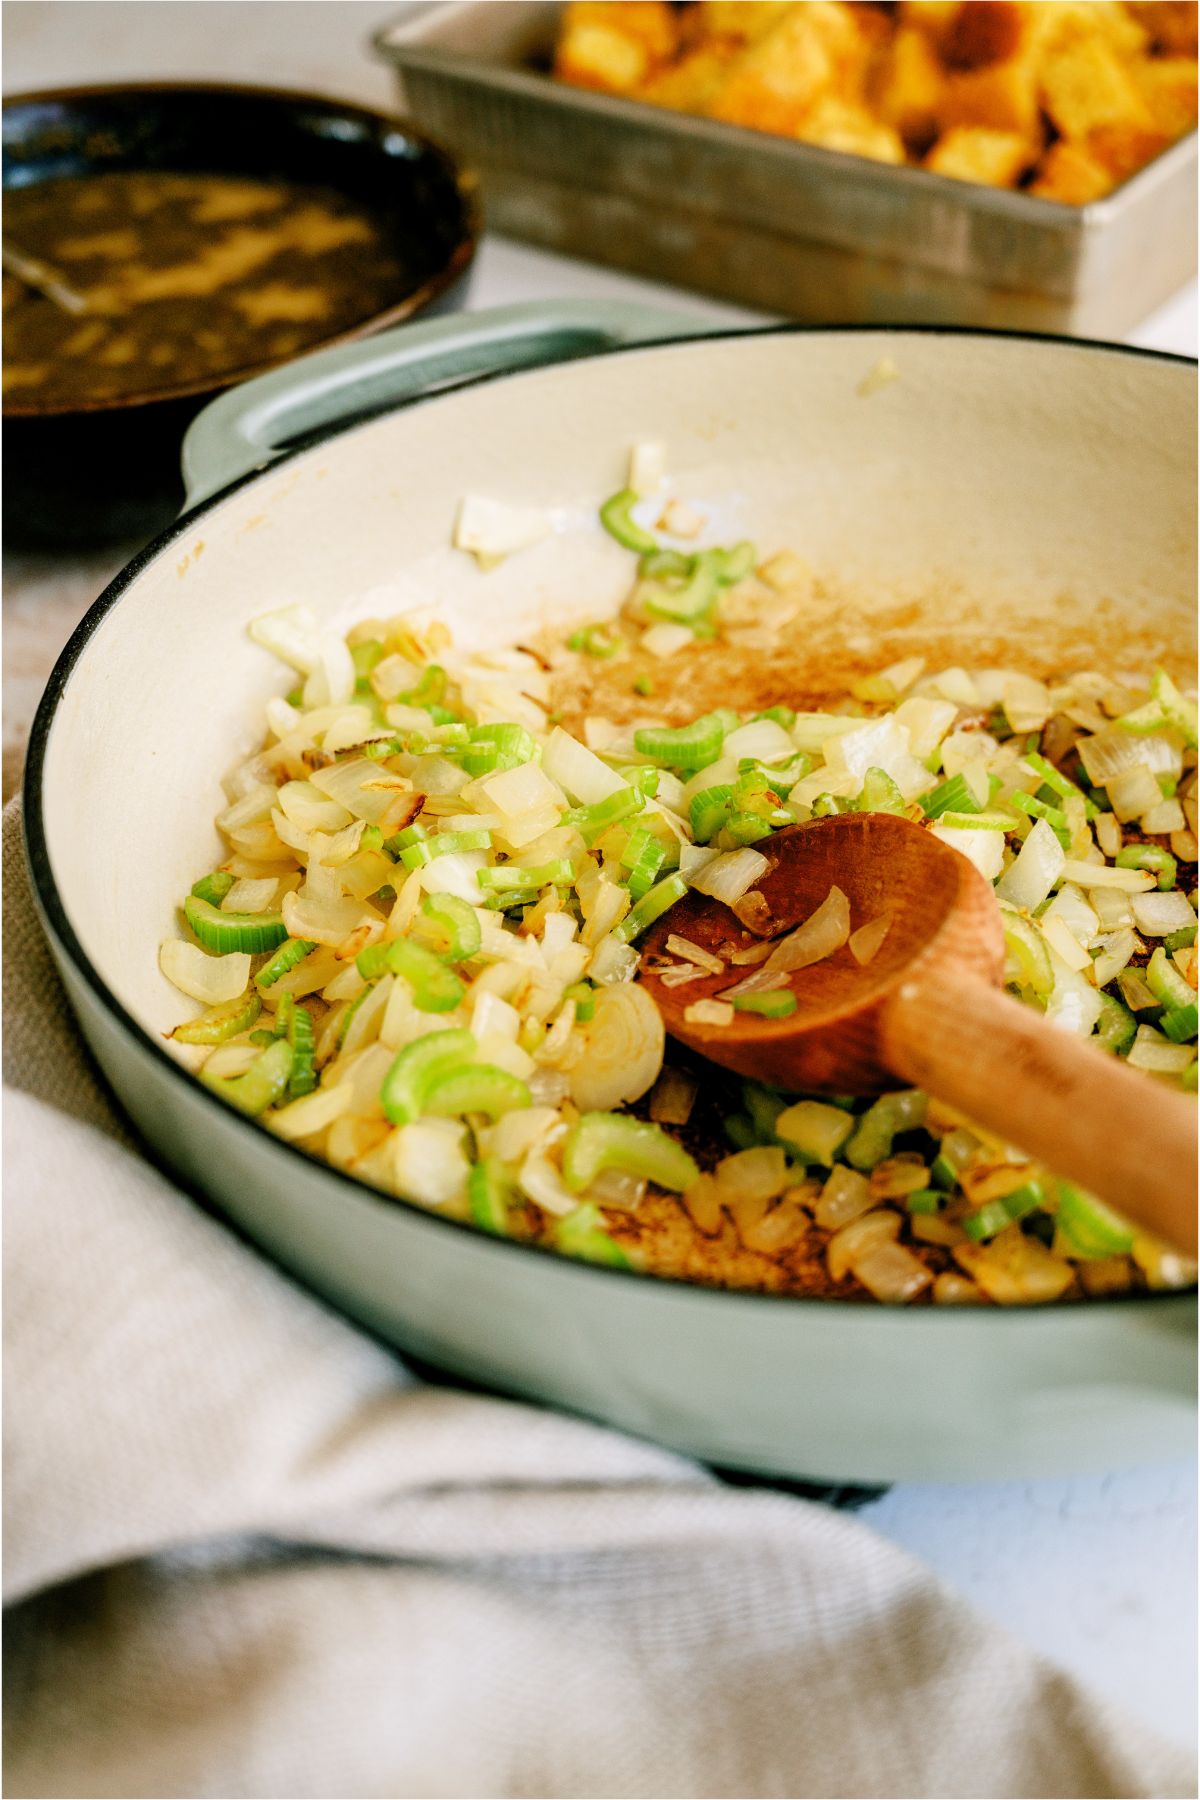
1013 552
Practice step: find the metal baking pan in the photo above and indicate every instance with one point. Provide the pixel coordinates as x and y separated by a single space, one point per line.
785 227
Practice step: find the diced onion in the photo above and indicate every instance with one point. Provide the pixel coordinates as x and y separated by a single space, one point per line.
822 933
730 874
1040 862
314 1113
983 848
1134 792
212 979
865 943
624 1049
1158 1055
1158 915
428 1162
577 770
665 639
291 635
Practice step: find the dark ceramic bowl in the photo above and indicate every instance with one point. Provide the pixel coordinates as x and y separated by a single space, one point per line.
102 471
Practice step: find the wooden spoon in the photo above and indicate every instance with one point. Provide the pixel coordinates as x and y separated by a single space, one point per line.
928 1011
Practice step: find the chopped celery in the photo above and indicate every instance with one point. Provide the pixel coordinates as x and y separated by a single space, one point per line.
302 1078
515 876
581 1233
650 907
417 1067
490 1193
1179 1024
596 640
764 1107
590 821
876 1128
954 795
1166 983
709 811
1150 856
284 961
213 888
584 996
643 685
686 602
430 690
476 1088
1180 940
693 746
746 828
1054 816
435 986
879 794
1029 962
446 843
496 747
262 1084
672 565
226 931
1090 1228
220 1023
453 924
616 516
994 1215
614 1141
1057 782
925 1200
733 565
1116 1027
740 1131
643 856
364 656
775 1003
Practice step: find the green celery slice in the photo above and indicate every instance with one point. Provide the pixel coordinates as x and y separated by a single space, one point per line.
228 931
601 1141
417 1067
476 1088
220 1023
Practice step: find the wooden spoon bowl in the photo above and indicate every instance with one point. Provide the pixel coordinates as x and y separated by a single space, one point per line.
928 1011
941 911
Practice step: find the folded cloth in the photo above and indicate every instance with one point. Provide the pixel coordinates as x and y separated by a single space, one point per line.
247 1553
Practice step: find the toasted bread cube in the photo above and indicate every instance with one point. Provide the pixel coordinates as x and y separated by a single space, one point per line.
741 20
908 86
934 18
1095 21
1084 85
990 31
1123 148
1000 96
993 158
776 81
614 47
1168 86
1171 26
841 125
1069 174
693 83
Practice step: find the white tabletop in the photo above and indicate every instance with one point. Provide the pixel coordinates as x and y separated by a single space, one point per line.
1099 1573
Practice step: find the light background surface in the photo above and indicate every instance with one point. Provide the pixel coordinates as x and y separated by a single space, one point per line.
1097 1572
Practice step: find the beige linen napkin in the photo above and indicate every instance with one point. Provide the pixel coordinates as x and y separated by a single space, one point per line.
248 1554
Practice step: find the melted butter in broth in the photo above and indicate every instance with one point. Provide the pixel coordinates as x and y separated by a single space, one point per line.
188 278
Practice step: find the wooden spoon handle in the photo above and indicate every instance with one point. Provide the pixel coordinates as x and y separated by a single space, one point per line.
1119 1133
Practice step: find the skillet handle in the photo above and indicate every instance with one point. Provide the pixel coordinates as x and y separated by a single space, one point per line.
246 428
